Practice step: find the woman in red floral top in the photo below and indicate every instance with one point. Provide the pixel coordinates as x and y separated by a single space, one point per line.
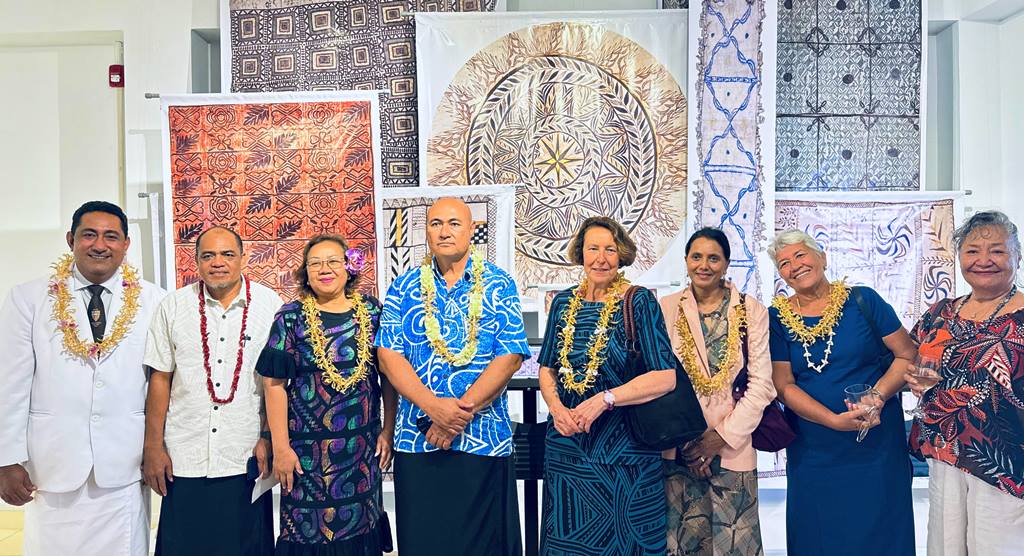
973 425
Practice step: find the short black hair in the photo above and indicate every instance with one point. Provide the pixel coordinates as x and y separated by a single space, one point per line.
99 206
238 238
714 234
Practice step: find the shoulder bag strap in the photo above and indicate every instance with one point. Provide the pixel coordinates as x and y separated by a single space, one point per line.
628 319
868 314
739 384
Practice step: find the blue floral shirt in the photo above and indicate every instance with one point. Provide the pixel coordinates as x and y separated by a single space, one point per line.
501 332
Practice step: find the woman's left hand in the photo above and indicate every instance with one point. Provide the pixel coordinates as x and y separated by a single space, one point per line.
385 442
702 450
588 411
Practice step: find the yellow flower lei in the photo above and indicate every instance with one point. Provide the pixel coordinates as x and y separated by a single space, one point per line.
838 294
318 341
721 378
598 340
65 319
476 310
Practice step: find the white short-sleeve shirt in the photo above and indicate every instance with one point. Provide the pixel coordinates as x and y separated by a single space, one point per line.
203 438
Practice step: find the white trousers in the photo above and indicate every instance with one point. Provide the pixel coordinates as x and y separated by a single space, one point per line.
89 521
967 516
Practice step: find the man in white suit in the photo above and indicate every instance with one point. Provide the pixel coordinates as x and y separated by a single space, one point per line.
73 394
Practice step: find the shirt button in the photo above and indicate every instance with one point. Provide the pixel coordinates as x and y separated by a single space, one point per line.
222 339
223 316
214 430
217 385
220 360
99 384
216 407
95 418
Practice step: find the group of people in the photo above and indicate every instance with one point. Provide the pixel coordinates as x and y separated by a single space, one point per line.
113 389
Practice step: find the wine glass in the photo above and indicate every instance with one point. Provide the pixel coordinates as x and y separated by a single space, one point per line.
864 396
926 371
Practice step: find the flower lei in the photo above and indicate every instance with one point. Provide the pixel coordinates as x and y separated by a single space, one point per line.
64 317
318 341
476 310
826 327
720 378
206 345
598 340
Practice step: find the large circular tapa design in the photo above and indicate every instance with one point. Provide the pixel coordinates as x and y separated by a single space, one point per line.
587 119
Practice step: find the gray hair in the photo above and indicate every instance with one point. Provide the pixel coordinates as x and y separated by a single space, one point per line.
793 236
989 218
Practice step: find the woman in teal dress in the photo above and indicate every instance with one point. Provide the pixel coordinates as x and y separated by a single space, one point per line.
843 496
603 493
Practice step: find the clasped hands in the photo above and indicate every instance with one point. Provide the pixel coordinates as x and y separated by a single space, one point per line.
449 417
580 418
698 454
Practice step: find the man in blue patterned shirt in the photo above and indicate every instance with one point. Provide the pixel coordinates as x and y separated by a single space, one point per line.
451 336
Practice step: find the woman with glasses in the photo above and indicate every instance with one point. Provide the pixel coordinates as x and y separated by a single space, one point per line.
323 396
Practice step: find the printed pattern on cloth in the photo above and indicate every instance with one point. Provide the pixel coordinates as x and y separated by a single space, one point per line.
278 173
334 435
712 516
324 45
728 141
501 331
404 244
972 417
585 117
849 96
901 249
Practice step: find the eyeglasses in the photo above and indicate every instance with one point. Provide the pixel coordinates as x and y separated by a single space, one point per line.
317 264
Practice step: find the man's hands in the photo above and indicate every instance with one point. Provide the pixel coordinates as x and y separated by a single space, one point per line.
449 416
156 468
262 454
15 486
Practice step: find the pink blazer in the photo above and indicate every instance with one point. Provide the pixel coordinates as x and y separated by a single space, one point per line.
734 420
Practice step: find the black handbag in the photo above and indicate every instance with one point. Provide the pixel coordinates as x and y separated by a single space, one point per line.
670 420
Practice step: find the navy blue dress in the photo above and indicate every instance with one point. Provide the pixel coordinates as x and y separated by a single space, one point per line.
603 493
845 497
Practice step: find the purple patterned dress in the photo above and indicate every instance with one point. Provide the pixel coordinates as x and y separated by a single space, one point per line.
334 506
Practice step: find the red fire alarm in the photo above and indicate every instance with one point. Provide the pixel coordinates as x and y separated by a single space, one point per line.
116 75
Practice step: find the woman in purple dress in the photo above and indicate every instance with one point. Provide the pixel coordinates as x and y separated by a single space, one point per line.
323 397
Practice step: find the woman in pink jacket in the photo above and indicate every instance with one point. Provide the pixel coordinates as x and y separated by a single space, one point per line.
711 483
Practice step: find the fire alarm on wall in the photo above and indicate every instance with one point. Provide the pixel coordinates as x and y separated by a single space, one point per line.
116 75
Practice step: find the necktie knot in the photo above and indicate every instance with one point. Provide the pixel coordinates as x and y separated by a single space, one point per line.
95 289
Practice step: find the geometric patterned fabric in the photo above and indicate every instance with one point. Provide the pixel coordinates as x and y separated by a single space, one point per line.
849 95
729 144
277 173
316 45
901 248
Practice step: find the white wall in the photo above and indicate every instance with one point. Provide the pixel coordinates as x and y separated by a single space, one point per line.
1011 96
157 35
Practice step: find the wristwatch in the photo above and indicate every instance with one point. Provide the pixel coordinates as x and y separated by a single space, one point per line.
609 400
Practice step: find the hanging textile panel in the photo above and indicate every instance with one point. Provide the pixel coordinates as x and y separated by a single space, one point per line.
732 137
313 45
849 95
586 110
903 248
404 243
277 169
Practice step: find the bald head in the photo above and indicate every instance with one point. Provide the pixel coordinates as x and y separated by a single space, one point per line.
449 229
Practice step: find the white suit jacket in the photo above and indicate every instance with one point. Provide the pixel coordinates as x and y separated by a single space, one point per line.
62 416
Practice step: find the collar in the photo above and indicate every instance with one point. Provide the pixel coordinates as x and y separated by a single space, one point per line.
79 282
239 299
467 273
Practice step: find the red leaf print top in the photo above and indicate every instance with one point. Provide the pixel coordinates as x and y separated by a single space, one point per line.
974 417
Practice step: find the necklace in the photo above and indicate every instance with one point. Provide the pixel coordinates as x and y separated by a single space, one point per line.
318 341
988 322
476 310
65 319
719 378
598 340
206 345
826 327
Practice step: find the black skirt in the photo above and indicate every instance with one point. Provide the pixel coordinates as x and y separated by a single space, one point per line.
214 517
456 504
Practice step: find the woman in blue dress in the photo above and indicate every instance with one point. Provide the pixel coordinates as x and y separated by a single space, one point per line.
843 496
603 493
